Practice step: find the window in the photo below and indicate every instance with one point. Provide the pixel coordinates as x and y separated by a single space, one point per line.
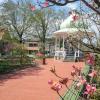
31 44
35 45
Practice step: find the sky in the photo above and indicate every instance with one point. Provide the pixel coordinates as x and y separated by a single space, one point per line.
1 1
70 6
67 7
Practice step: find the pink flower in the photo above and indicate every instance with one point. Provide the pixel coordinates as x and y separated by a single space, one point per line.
50 82
91 59
56 86
88 88
93 74
32 7
46 3
75 17
93 89
83 81
85 93
78 84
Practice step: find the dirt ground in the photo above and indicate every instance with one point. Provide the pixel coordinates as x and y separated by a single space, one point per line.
32 83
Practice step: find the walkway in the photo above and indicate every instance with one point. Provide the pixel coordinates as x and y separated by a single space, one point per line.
32 83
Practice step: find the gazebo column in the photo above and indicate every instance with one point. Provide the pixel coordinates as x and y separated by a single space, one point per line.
55 43
64 47
59 43
59 48
55 56
77 53
63 43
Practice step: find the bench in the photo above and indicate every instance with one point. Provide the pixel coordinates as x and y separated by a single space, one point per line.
69 95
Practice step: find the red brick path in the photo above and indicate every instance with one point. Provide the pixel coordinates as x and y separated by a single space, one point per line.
32 83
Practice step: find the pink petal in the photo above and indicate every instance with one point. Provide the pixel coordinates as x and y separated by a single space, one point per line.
94 89
32 7
46 3
50 82
86 92
88 87
91 74
83 81
79 84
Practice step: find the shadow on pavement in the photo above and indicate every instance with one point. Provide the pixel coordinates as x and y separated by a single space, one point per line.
33 71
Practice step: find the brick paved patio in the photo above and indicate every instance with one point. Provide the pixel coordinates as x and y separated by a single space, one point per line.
32 83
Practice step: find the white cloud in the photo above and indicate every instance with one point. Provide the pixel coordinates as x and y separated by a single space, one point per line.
72 6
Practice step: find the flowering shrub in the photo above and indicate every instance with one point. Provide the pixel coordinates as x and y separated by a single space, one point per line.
90 59
93 74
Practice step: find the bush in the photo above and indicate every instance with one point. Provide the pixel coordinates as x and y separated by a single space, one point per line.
13 63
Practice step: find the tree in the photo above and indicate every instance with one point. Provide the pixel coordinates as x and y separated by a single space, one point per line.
16 18
41 19
65 2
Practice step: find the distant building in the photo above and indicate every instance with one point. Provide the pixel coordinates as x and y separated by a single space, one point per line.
32 46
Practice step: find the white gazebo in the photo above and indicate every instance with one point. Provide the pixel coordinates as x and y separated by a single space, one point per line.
70 27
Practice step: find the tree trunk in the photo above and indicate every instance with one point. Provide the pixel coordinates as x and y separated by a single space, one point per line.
44 59
21 58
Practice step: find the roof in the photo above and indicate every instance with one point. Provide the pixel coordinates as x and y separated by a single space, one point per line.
74 25
71 31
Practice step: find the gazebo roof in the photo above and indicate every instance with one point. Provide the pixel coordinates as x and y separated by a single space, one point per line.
66 23
72 32
73 24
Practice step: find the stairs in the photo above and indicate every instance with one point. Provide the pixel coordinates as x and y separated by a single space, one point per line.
69 58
